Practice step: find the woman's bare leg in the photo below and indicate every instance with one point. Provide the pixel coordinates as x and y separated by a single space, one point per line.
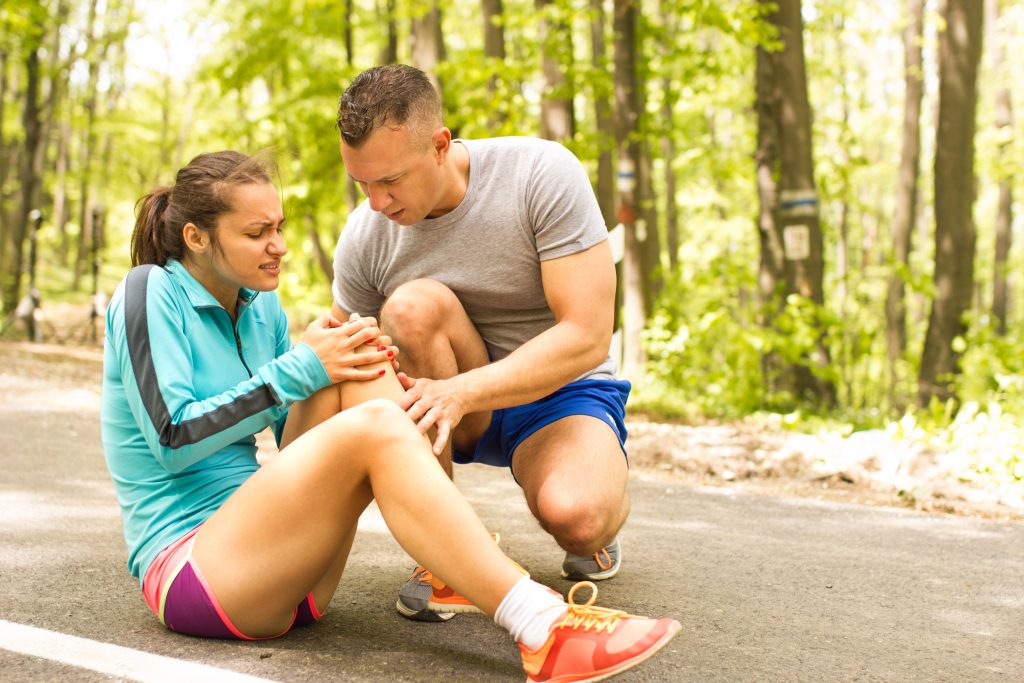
287 530
318 408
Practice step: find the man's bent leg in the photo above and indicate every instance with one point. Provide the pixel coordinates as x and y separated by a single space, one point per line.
437 340
574 475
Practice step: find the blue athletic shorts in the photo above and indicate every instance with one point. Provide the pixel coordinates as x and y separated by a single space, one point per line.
604 399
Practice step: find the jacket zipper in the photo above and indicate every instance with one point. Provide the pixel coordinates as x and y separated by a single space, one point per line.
238 345
238 340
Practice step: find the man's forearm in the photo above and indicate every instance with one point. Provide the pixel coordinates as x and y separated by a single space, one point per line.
542 365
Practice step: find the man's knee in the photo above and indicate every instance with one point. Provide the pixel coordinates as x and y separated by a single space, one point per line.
581 524
417 307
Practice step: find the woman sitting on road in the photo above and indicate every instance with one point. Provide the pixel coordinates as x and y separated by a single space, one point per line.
198 360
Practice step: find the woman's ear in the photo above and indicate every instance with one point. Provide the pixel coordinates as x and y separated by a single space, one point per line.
196 239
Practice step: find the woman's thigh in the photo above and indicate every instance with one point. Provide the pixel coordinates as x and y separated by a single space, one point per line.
290 525
178 593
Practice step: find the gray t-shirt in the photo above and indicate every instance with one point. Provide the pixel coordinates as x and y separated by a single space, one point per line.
528 200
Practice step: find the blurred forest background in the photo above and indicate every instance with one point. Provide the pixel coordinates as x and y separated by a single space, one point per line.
816 199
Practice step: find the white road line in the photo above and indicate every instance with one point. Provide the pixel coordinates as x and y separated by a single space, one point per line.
111 659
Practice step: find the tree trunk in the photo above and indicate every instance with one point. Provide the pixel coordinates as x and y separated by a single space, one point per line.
60 191
494 53
670 97
627 114
784 154
604 121
28 178
668 151
4 159
389 52
1004 210
906 191
347 32
771 273
647 232
427 44
352 192
494 34
323 259
557 118
959 53
94 58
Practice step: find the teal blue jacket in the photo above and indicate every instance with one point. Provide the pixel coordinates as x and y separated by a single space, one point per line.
185 391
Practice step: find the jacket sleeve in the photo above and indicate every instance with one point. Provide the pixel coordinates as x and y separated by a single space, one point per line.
284 345
157 362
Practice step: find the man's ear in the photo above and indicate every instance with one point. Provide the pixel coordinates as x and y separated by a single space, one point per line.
196 239
441 141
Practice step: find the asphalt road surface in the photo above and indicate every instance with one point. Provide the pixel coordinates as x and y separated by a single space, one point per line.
767 589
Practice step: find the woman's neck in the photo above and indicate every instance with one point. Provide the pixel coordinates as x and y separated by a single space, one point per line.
225 294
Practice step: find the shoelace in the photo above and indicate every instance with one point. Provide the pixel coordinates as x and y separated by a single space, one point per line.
587 616
421 574
597 559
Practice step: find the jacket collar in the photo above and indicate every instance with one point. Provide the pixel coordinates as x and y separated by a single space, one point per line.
198 295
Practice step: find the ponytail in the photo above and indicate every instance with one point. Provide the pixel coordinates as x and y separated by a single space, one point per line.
149 226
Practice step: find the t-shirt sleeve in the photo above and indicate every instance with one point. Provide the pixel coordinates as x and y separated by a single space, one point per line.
561 205
353 290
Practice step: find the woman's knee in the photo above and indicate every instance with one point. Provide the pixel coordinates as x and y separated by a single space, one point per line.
417 308
372 427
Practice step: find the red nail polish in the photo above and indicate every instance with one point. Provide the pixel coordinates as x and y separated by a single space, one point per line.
391 354
382 348
380 374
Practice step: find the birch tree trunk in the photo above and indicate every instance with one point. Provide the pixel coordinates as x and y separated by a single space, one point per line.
792 257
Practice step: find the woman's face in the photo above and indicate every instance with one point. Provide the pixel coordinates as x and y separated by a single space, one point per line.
249 244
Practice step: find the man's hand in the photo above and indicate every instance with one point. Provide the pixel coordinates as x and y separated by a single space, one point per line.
432 403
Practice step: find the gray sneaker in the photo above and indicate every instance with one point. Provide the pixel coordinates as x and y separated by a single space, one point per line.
604 564
414 596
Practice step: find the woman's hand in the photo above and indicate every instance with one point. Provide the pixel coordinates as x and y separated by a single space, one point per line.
346 348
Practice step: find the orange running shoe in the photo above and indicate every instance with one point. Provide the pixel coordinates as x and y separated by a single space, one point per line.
594 643
444 599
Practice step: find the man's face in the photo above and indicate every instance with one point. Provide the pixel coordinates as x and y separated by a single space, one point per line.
399 175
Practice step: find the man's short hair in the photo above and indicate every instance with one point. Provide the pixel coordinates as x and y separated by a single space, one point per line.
393 95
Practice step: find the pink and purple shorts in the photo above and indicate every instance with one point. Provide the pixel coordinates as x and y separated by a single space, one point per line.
177 592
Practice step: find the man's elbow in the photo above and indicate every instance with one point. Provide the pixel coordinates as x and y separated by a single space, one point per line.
600 342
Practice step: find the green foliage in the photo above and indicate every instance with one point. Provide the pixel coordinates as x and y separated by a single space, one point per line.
704 347
272 71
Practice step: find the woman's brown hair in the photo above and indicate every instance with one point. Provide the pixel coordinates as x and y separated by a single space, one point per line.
199 195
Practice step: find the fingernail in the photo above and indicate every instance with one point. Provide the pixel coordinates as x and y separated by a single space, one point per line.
391 354
380 374
382 348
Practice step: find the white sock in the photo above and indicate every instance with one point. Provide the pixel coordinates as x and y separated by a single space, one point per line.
528 612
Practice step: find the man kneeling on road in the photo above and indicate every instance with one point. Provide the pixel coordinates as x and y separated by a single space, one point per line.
487 262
